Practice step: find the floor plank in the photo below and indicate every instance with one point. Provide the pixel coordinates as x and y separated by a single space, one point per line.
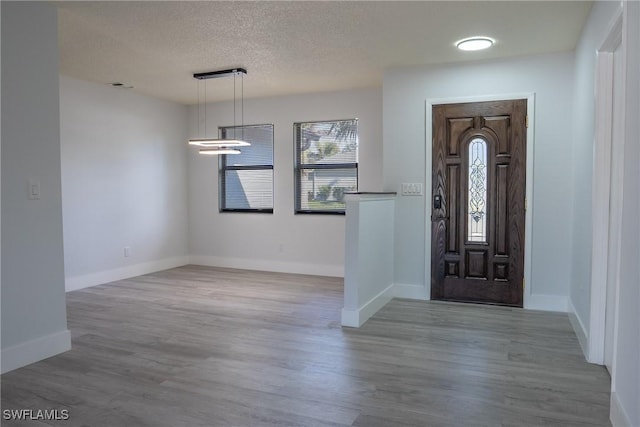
201 346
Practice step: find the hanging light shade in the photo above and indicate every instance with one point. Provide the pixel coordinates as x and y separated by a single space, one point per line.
218 151
211 142
216 146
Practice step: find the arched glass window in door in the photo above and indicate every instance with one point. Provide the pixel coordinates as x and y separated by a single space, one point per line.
477 196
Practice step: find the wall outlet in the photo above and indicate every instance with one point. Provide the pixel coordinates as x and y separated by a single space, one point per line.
34 189
412 189
127 251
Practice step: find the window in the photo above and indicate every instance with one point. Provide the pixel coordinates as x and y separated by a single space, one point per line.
326 165
477 221
246 179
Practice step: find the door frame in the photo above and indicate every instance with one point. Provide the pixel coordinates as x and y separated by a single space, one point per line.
429 104
601 190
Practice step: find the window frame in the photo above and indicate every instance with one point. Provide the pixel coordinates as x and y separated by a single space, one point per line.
223 168
299 167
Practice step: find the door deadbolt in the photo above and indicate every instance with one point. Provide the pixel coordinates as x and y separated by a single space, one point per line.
437 202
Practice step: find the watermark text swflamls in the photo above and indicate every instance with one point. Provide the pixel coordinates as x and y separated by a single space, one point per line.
35 414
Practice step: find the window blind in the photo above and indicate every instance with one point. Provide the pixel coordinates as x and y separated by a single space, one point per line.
246 179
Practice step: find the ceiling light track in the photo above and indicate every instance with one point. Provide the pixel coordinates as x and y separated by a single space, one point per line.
221 73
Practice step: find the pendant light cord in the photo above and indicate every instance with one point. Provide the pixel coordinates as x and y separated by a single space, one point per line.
205 108
242 102
200 109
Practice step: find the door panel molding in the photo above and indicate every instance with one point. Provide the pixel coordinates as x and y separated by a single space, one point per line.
530 302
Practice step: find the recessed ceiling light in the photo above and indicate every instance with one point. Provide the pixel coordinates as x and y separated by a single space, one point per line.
121 85
475 43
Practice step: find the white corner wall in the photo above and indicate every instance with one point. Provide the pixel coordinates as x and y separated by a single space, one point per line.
124 183
34 323
368 276
593 34
549 77
0 187
625 396
282 241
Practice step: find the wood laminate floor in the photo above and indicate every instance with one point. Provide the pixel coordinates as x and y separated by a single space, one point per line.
199 346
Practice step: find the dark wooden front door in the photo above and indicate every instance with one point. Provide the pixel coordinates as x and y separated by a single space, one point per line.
478 206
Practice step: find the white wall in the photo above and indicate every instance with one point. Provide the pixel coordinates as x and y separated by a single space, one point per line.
368 276
583 128
124 182
312 244
625 399
0 187
550 78
34 324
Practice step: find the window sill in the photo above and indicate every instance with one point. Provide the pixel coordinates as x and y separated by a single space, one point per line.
262 211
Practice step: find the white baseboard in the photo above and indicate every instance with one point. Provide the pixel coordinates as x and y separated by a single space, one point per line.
269 265
32 351
579 329
533 302
99 278
419 292
356 318
546 302
618 416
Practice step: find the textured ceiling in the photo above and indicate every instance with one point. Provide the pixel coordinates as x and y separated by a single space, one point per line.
293 47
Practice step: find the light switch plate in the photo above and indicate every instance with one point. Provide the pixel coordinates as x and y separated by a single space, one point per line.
34 189
412 189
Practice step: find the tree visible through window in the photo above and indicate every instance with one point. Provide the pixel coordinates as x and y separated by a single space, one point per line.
246 179
326 165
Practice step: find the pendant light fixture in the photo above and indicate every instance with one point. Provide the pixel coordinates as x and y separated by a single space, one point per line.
219 150
216 146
